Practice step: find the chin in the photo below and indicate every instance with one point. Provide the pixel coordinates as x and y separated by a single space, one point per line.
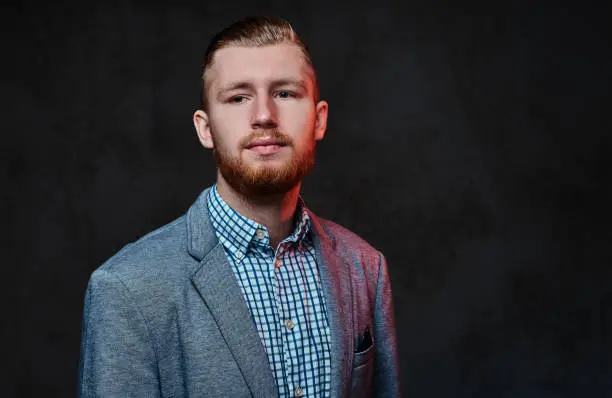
281 156
273 164
268 175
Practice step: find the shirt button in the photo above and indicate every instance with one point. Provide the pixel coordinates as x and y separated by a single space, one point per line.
289 324
239 256
299 392
260 234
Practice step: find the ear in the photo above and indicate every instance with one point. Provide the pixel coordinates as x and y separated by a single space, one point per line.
202 126
321 120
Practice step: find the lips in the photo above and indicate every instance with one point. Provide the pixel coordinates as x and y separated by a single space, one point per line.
266 146
263 150
264 143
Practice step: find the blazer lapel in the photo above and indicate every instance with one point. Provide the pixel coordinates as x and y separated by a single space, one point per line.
217 285
337 287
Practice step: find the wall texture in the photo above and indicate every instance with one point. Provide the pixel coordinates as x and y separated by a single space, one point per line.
470 144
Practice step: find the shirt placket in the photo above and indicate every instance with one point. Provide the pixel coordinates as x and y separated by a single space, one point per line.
288 319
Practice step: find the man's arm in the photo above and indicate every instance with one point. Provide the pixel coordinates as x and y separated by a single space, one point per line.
386 365
117 356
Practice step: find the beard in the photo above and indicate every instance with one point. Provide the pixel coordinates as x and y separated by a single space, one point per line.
263 180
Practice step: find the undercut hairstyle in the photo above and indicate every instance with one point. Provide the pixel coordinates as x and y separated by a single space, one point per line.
254 31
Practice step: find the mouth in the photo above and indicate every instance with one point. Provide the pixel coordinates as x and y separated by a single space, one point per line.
265 146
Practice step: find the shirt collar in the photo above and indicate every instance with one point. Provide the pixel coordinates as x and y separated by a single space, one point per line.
237 232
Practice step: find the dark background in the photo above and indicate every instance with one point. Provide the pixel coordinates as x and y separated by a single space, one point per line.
470 144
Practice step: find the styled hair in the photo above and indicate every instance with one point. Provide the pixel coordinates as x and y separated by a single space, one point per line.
254 31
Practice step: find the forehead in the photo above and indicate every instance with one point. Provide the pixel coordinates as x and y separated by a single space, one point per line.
257 64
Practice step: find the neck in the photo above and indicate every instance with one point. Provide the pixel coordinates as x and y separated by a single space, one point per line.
275 212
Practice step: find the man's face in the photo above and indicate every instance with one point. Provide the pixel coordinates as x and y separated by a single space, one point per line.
261 121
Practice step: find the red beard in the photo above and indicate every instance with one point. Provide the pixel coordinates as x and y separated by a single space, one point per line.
257 181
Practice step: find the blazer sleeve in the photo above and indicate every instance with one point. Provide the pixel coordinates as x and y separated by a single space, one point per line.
386 365
117 355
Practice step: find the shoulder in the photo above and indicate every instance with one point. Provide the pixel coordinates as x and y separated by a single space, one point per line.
158 259
348 243
346 238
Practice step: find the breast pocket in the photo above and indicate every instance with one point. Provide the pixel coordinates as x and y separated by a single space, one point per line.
363 370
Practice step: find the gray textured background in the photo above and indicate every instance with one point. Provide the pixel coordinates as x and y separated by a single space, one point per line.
470 144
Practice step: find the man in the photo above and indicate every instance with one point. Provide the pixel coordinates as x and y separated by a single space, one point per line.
249 293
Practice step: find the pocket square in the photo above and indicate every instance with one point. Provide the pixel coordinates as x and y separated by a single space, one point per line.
364 342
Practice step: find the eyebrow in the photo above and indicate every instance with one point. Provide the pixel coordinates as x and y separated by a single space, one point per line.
246 85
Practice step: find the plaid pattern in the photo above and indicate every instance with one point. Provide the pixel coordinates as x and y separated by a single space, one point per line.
283 292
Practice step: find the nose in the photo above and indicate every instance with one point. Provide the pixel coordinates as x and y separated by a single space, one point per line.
264 113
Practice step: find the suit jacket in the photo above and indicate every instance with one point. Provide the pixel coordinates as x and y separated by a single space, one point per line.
165 317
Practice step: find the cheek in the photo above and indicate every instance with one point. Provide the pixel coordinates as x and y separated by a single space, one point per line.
227 118
223 136
228 123
299 121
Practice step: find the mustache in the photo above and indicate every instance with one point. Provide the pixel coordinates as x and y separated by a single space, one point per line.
274 135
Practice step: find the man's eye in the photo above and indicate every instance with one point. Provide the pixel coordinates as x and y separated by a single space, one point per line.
285 94
237 99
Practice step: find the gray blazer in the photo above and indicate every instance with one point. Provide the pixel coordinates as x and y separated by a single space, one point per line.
165 317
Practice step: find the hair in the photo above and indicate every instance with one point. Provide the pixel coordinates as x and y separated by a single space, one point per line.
254 31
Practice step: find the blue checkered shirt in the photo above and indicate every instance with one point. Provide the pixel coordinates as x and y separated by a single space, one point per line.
283 292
